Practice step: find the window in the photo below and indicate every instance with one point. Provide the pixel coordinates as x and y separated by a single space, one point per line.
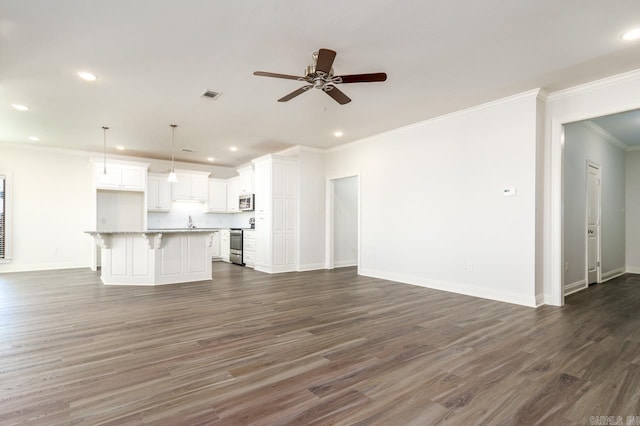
4 217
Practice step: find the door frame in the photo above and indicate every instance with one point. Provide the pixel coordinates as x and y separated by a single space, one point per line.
330 221
555 230
598 167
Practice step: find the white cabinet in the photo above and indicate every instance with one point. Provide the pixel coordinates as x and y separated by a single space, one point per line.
245 180
249 247
217 201
158 193
215 245
233 194
262 187
276 213
191 186
120 177
225 244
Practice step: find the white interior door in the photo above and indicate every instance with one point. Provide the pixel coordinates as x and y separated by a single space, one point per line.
593 223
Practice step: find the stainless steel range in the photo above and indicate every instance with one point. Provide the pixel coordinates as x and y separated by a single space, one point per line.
235 255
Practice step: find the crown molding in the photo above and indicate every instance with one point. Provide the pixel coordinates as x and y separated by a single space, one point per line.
605 135
593 85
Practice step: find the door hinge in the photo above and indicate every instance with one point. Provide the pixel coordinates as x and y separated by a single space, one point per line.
598 263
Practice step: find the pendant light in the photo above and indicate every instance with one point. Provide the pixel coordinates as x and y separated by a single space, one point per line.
104 178
172 176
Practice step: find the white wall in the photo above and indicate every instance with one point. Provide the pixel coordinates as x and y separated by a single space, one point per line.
595 99
51 209
432 206
582 143
633 211
345 221
311 210
115 210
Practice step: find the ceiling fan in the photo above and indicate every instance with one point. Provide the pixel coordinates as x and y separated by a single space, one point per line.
320 75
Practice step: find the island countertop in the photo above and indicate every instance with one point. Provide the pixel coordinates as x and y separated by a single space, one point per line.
156 231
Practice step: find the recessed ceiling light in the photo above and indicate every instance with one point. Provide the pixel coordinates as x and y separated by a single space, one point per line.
233 148
120 147
34 138
634 34
210 159
87 76
20 107
338 134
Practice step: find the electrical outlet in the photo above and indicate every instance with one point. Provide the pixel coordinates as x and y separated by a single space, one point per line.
103 221
470 267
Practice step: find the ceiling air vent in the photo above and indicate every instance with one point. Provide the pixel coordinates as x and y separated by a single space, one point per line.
211 94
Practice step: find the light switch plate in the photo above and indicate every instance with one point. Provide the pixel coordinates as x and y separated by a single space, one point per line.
509 192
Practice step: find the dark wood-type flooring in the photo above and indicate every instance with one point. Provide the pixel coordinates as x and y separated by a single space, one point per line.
322 347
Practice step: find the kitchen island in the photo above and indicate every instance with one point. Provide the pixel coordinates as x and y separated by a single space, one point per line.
154 256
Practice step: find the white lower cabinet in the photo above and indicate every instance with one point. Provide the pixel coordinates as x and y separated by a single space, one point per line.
215 245
225 244
249 247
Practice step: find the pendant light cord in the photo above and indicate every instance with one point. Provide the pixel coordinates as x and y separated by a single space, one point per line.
173 133
104 163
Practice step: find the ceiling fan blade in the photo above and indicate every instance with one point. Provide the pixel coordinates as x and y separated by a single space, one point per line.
295 93
271 74
336 94
363 78
325 60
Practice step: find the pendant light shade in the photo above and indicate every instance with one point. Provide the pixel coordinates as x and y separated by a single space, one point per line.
104 177
172 175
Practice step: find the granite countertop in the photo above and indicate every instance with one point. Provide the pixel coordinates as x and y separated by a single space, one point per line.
157 231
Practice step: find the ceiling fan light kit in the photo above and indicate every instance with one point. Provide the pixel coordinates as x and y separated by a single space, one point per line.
319 75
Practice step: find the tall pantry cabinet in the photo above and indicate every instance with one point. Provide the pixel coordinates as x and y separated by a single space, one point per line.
276 197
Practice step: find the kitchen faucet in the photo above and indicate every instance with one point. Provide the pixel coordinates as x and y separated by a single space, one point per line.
190 225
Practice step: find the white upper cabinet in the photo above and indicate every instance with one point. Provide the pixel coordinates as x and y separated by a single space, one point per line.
121 176
245 180
262 187
158 193
233 195
191 186
217 202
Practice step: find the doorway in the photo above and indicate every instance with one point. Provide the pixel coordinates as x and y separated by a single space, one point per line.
595 205
343 222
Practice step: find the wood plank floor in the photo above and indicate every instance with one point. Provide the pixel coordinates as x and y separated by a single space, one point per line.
322 347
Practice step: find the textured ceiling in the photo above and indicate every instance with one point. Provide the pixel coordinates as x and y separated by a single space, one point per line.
154 58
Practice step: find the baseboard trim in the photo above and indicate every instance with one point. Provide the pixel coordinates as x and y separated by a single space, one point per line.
345 263
613 274
275 269
633 270
310 267
539 300
452 287
575 287
7 268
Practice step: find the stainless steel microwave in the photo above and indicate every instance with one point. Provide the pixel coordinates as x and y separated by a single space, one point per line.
246 202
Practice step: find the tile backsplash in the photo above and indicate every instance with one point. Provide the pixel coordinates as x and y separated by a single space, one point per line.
181 210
